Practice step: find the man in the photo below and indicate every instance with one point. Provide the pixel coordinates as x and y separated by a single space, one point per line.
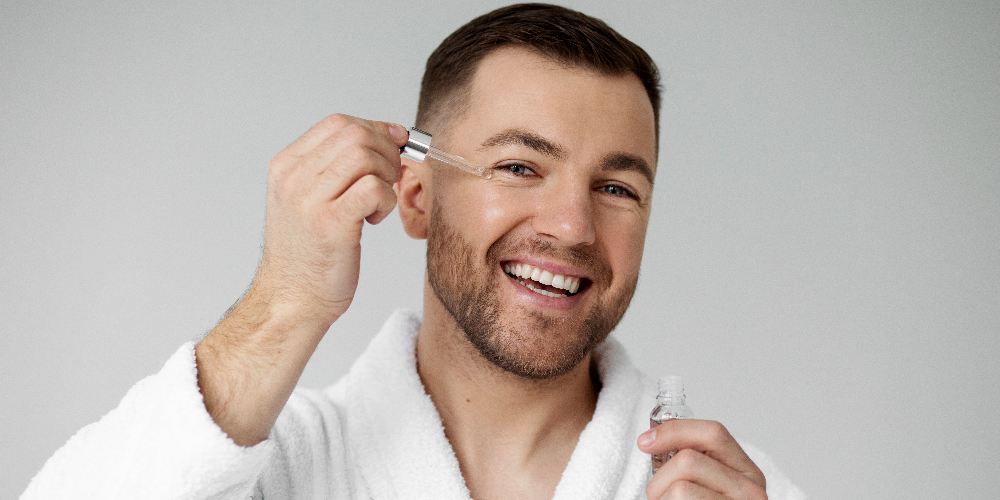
506 386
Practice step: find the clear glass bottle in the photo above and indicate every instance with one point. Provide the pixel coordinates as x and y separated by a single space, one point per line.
669 405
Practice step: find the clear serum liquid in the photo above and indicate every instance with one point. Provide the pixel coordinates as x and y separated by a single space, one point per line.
669 405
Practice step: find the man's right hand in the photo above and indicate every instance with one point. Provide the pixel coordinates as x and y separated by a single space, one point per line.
320 190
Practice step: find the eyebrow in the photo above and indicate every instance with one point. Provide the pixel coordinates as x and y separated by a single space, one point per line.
617 161
625 162
521 137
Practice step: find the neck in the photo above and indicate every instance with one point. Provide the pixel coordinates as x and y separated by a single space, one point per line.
493 417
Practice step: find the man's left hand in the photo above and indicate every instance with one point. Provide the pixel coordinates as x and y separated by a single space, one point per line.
709 462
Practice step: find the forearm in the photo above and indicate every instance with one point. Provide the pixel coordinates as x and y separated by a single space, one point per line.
184 421
251 361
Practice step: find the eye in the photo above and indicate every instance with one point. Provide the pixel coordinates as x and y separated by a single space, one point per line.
618 191
516 169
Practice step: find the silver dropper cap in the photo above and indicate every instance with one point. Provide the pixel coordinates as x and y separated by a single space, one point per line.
417 145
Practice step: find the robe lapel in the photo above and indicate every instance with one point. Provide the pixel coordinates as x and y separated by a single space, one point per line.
606 463
394 430
397 438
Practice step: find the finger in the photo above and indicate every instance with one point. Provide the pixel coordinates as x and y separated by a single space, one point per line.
369 199
688 491
707 436
386 202
352 147
369 156
696 467
378 136
384 138
393 136
317 134
354 164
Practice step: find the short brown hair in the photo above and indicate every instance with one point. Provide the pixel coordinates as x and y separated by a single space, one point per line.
562 34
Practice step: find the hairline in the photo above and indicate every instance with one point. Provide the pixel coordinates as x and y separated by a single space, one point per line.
456 103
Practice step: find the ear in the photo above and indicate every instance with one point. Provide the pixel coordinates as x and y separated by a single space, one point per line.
413 198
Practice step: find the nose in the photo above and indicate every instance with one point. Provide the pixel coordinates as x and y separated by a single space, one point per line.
566 215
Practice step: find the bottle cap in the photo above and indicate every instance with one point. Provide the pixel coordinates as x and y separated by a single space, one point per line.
417 145
671 385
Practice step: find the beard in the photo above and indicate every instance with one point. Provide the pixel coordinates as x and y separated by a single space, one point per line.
527 343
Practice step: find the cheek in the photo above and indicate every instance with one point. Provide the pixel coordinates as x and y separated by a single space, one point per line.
494 210
484 212
623 239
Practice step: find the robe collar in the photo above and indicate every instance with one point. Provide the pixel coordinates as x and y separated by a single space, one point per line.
397 436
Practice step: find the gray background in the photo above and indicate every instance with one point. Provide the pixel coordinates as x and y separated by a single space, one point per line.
823 259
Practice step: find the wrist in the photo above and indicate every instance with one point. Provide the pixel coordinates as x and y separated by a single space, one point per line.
264 309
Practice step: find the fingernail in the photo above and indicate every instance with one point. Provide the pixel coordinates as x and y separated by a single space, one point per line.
398 133
647 438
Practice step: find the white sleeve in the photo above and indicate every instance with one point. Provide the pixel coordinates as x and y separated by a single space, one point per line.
159 442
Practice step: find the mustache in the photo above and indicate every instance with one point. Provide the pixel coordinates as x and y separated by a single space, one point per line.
586 257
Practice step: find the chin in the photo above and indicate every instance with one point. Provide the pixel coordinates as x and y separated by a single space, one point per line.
534 346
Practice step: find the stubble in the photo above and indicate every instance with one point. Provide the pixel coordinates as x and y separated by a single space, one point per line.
527 343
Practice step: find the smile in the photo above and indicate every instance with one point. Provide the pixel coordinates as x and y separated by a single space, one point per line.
544 282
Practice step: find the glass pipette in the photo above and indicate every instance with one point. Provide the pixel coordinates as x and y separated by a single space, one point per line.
418 148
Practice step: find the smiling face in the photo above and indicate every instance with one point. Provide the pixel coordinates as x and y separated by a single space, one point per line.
539 263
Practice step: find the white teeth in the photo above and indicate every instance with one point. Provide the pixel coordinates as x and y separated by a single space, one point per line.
543 292
545 278
527 271
557 281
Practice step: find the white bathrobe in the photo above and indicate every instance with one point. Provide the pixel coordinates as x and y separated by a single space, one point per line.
373 434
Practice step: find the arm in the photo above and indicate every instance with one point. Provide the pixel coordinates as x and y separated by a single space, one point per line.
199 427
321 189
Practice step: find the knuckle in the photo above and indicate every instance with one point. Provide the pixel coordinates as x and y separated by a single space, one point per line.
278 164
360 196
685 459
680 489
355 132
277 181
336 121
370 186
347 208
759 479
718 432
754 492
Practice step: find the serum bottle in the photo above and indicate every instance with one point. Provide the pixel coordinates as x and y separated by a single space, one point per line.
669 405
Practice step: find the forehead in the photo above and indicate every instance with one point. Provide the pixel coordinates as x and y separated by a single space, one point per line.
585 111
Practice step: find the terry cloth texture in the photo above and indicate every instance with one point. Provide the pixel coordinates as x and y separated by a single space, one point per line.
373 434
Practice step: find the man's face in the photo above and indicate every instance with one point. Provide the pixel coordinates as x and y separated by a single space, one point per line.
538 264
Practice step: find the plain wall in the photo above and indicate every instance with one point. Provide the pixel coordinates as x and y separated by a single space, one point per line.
823 258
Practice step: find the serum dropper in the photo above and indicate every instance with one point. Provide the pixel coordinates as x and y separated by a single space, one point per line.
669 405
418 148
